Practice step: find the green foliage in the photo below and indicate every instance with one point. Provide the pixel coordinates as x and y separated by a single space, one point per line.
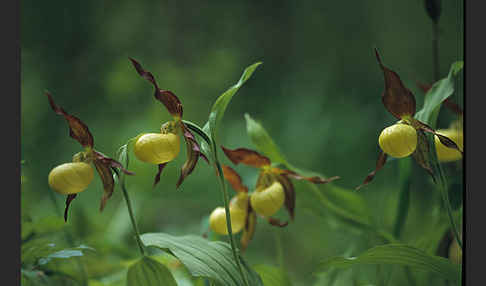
398 254
147 272
272 276
203 258
439 92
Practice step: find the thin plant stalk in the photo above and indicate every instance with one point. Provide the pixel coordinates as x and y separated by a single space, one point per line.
132 218
219 171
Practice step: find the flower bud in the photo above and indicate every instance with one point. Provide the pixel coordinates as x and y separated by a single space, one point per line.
70 178
157 148
217 220
399 140
267 201
446 154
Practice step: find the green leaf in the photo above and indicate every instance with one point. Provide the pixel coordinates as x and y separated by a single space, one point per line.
203 258
398 254
344 203
220 105
262 140
272 276
439 92
149 272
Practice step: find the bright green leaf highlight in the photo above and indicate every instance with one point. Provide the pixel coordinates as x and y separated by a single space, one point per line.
439 92
220 105
272 276
398 254
203 258
148 272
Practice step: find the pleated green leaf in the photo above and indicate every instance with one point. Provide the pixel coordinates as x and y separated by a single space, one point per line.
398 254
272 276
148 272
203 258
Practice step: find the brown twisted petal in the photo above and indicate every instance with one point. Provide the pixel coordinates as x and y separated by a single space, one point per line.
247 157
69 199
289 195
379 164
193 154
111 162
106 177
168 98
77 129
249 229
277 222
314 179
396 98
421 154
159 172
234 179
443 139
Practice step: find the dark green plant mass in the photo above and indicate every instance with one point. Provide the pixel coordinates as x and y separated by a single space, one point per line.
236 140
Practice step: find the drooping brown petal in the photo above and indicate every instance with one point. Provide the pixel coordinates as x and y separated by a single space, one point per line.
277 222
249 230
234 179
168 98
379 164
447 102
111 162
314 179
289 195
104 170
443 139
69 199
159 172
247 157
421 154
77 129
193 154
398 100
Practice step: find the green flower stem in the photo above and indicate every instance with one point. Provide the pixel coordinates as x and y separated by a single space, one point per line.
132 216
219 171
404 196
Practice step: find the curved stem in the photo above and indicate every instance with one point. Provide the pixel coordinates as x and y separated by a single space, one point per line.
219 171
132 216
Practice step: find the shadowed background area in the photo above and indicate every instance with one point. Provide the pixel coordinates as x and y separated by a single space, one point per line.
317 94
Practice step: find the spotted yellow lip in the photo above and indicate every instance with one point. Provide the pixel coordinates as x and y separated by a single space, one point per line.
217 220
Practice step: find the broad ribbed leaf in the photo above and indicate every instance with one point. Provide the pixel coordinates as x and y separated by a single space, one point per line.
148 272
210 259
272 276
439 92
219 106
398 254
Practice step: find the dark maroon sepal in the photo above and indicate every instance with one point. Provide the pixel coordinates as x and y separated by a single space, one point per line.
159 172
77 129
193 154
379 164
168 98
69 199
396 98
247 157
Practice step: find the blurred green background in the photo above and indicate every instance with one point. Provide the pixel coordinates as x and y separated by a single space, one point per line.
317 93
